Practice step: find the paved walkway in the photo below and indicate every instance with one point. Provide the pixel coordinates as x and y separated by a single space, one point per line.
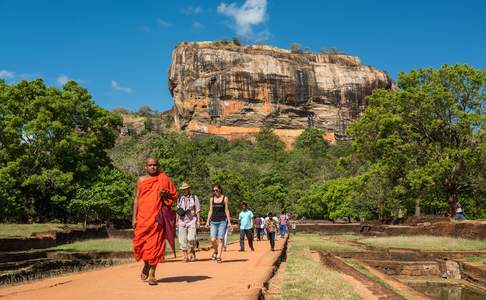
240 276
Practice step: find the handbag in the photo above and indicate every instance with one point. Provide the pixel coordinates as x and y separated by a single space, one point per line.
181 212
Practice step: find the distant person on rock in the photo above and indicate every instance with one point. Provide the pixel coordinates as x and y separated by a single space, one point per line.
219 220
245 220
460 216
152 193
188 209
271 225
283 221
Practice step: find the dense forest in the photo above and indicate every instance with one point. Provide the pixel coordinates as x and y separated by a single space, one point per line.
420 147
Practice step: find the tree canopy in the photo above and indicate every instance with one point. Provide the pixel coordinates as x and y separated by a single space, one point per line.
51 141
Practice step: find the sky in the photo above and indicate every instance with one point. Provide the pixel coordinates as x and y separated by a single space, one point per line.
121 50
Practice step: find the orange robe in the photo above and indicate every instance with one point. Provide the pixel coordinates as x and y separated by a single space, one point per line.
149 236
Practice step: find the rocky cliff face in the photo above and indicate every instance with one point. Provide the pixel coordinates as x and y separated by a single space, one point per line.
232 91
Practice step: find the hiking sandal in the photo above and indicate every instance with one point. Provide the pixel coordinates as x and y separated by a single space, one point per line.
219 260
214 256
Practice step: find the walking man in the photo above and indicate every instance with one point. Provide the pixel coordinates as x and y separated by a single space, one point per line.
271 224
152 192
246 227
188 209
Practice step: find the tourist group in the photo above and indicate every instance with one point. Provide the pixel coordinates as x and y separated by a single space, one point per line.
154 221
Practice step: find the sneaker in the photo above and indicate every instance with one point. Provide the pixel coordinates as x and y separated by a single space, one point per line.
242 250
252 249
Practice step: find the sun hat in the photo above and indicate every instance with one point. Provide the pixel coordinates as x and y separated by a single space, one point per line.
185 185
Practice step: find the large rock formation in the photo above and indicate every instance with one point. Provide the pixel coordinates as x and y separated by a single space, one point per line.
231 91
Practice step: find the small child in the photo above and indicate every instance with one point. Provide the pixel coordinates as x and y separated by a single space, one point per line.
293 225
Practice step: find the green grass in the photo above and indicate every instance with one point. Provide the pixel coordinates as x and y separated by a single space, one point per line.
306 278
428 243
98 245
26 230
476 259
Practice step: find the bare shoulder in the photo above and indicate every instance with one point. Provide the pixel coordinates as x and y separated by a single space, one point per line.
142 179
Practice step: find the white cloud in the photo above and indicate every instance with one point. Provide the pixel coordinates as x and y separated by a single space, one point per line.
4 74
163 23
192 10
117 87
197 25
62 80
251 13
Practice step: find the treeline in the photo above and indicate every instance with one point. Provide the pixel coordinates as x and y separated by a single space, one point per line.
420 146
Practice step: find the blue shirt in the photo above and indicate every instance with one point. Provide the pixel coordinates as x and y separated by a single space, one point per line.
246 219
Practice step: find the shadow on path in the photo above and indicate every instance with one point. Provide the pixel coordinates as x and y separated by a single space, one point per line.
233 260
183 278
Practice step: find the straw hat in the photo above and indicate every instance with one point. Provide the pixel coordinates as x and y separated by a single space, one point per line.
185 185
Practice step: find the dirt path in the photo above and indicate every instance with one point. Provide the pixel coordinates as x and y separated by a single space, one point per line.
240 276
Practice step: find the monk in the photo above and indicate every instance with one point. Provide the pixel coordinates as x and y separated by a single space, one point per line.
151 192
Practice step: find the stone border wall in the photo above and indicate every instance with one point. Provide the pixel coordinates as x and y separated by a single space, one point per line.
43 240
468 230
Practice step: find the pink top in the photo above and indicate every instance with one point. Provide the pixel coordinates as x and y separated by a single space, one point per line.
283 219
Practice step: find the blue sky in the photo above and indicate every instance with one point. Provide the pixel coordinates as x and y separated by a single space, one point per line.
121 50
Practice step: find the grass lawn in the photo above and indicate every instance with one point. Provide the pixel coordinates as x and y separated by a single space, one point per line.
98 245
306 278
26 230
476 259
428 243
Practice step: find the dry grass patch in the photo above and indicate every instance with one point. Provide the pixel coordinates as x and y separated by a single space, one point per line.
427 243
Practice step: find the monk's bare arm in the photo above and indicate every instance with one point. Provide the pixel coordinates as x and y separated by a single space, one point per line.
135 203
226 210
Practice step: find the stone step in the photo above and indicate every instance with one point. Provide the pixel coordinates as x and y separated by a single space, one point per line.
21 256
5 266
45 268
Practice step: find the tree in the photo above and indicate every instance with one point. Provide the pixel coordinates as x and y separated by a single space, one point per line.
311 139
268 146
295 47
107 198
146 111
51 140
426 135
